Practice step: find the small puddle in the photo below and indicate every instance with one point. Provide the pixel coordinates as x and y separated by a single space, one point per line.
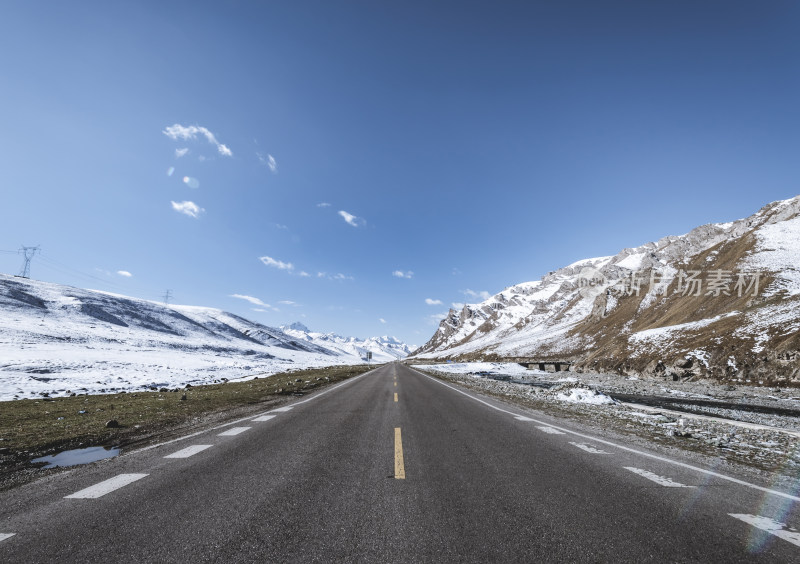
77 456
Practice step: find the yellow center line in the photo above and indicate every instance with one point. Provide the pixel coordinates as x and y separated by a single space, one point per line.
395 396
395 384
399 468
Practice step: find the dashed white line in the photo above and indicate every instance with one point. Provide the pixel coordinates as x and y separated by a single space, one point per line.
523 418
4 536
588 448
234 431
106 486
660 480
263 418
282 409
229 423
769 525
188 451
625 448
549 430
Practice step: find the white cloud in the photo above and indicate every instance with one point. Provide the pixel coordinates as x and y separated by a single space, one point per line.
401 274
323 205
179 131
337 276
304 274
189 208
456 272
436 318
433 302
181 152
351 219
483 295
382 320
281 226
251 299
287 302
268 160
269 261
457 305
124 273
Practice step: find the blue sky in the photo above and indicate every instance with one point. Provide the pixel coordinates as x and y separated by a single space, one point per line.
361 166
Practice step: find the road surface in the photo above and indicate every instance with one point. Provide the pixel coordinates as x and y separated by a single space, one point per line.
397 466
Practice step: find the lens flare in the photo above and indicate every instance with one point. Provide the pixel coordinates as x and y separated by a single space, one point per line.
191 182
170 170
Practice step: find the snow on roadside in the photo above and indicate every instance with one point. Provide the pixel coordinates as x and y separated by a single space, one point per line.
582 394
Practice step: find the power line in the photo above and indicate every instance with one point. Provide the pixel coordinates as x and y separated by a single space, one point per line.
167 296
28 253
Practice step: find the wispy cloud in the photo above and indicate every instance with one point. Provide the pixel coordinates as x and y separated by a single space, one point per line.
269 261
189 208
382 320
352 219
269 161
124 273
456 272
181 152
483 295
179 131
401 274
288 302
457 305
251 299
436 318
303 273
323 205
429 301
337 276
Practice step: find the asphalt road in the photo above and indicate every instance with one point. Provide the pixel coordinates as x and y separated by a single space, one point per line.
354 473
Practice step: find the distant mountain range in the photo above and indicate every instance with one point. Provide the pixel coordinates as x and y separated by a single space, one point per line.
722 301
383 349
58 339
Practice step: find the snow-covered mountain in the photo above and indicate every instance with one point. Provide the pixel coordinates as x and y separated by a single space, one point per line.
721 301
55 339
383 349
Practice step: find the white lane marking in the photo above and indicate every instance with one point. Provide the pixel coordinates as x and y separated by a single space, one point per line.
234 431
588 448
769 525
4 536
263 418
629 449
522 418
660 480
229 423
549 430
105 487
188 451
282 409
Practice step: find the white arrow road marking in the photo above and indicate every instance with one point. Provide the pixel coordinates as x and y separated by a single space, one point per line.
4 536
588 448
549 430
263 418
769 525
188 451
234 431
105 487
661 480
